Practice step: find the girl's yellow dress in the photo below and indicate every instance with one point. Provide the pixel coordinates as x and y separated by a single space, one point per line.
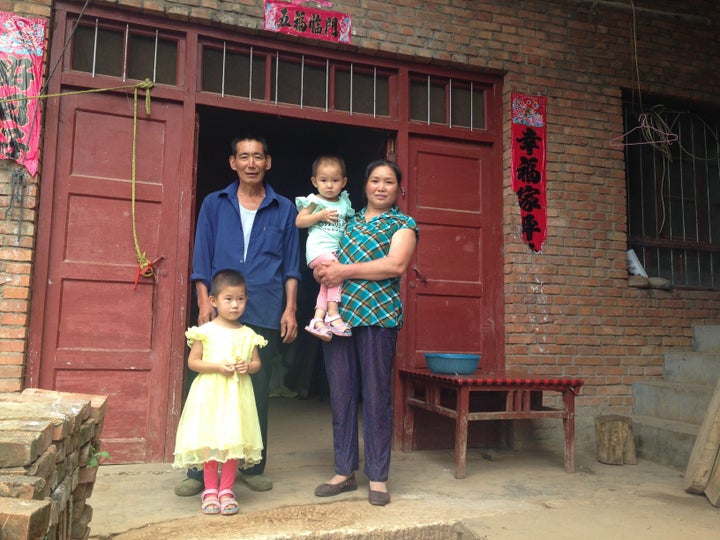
220 420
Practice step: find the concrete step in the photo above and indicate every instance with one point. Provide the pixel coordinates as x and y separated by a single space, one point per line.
706 337
692 367
664 441
683 402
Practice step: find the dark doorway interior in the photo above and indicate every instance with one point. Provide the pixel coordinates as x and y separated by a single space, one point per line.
294 145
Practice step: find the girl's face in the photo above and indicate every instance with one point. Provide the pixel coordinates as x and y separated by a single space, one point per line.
230 302
381 188
329 181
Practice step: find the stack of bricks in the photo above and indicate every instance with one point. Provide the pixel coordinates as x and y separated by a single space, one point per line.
47 471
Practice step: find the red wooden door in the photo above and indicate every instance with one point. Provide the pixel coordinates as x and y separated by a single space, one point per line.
99 333
455 298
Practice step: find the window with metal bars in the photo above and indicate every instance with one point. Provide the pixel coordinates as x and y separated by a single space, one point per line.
673 185
301 80
447 101
103 49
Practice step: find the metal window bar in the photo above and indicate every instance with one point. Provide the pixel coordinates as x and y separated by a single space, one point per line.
327 85
681 181
222 72
157 33
374 91
277 67
707 194
250 79
694 187
125 53
450 102
351 88
428 100
302 79
472 103
95 40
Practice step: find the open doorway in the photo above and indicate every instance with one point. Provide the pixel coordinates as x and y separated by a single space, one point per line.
294 145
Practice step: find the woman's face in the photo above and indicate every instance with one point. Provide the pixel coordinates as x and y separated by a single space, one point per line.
381 188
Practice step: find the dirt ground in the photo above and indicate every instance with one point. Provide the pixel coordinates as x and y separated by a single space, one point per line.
506 495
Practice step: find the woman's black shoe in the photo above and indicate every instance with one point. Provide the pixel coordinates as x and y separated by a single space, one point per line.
330 490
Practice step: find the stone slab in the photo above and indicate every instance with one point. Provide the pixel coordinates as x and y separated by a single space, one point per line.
21 448
24 519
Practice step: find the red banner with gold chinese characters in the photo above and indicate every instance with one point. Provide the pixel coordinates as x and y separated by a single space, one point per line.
528 166
22 47
292 17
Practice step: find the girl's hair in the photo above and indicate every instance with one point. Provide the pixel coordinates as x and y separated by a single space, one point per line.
226 278
380 163
329 159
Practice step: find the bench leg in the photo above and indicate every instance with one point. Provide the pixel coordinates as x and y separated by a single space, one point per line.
461 429
408 434
569 428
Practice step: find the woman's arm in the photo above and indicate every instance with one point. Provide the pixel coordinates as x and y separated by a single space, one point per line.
394 264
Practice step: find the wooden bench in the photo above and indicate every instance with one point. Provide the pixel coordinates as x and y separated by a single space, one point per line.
523 398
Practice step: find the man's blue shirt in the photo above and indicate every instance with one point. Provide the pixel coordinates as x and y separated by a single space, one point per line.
273 253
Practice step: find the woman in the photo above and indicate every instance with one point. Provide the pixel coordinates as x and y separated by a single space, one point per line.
374 253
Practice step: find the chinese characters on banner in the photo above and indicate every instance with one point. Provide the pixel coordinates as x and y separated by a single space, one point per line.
22 46
293 18
528 166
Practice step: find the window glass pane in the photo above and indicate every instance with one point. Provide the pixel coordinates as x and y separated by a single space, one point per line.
143 63
109 56
287 85
342 90
369 93
298 83
419 102
314 86
382 95
468 107
212 68
237 72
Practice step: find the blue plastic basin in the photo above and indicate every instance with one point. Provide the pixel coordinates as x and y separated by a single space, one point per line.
452 364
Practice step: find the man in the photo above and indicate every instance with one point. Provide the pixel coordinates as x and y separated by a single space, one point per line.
250 228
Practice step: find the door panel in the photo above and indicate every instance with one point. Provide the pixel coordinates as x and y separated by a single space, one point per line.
456 202
102 334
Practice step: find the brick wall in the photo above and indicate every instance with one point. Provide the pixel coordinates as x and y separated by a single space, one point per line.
568 310
18 204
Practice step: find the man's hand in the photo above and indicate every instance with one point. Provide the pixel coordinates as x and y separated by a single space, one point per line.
288 327
206 312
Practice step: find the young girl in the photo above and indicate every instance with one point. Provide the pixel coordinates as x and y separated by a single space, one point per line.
219 423
325 214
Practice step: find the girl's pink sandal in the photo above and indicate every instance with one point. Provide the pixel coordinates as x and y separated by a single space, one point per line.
228 505
341 328
210 502
322 331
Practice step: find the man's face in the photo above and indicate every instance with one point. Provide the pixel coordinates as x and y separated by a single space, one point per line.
250 162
